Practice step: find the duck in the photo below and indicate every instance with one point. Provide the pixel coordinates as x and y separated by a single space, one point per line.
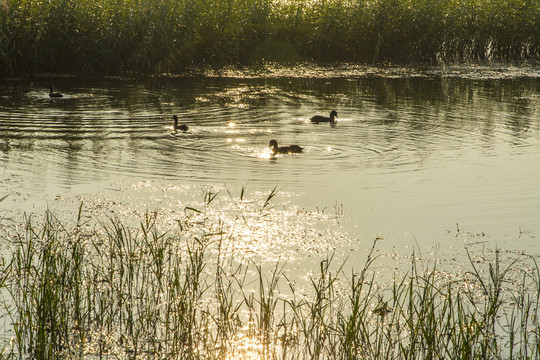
291 149
182 127
320 118
54 94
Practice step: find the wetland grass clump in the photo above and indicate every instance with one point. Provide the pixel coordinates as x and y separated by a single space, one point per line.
127 36
108 290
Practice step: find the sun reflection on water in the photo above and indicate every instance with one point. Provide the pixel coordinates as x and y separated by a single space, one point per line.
245 347
250 227
266 154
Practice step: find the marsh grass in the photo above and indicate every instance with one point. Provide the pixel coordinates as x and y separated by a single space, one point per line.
111 36
106 290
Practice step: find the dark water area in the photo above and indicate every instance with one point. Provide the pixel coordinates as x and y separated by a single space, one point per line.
417 157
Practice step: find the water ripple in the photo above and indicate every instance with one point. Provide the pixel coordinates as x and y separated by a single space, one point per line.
384 127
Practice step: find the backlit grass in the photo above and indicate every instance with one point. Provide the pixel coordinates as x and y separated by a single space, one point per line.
76 290
119 36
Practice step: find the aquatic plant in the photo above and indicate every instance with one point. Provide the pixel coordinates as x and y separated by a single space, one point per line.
102 288
109 36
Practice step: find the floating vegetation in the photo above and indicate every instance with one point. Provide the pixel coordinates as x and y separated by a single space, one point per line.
109 288
110 36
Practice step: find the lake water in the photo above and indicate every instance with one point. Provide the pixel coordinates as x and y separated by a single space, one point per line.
428 159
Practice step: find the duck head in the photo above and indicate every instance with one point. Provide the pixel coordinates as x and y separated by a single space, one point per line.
273 144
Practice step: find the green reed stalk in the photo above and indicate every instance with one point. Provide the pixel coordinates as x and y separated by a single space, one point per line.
46 290
268 302
141 292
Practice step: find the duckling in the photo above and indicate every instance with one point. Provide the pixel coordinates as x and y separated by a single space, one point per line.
319 118
54 94
182 127
291 149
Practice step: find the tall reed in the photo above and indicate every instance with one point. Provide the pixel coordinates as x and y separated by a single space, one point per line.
75 290
109 36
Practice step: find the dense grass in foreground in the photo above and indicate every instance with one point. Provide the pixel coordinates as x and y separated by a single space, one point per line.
113 291
114 36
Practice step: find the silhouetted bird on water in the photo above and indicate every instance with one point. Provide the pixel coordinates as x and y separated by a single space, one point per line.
182 127
54 94
291 149
320 118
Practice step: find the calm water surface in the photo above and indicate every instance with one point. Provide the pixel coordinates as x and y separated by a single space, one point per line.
416 158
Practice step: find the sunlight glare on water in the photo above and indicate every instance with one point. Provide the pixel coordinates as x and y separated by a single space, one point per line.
414 151
254 228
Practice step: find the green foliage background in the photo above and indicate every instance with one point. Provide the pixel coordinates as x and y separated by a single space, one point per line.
154 36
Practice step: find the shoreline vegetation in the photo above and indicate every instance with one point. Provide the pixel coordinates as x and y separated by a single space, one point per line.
109 290
155 37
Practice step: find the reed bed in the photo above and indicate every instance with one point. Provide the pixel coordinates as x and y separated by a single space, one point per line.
146 36
108 290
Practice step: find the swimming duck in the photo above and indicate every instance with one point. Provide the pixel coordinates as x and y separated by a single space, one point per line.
319 118
182 127
291 149
54 94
